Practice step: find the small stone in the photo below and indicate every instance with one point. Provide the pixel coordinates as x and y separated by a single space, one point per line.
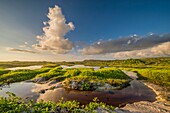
52 88
79 85
52 82
111 92
42 91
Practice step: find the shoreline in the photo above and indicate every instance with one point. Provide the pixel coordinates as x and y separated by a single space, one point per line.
157 89
160 105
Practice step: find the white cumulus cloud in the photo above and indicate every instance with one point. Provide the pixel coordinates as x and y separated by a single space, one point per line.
55 30
161 50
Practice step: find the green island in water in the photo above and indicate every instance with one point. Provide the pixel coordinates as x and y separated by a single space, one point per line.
84 56
84 86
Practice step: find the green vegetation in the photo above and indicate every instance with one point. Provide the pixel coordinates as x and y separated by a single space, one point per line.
87 79
160 62
155 70
2 71
112 73
91 77
53 72
13 104
22 64
103 73
20 75
157 76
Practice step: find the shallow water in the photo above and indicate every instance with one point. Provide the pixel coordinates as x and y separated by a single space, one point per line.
21 89
137 91
27 67
80 66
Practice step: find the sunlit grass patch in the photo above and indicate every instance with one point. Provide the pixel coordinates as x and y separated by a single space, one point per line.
21 75
53 72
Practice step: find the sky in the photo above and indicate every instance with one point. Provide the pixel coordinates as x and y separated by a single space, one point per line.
69 30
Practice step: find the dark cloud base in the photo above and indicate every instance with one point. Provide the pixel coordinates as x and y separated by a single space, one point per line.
22 50
129 43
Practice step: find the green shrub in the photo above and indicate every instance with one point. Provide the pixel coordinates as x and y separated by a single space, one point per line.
21 75
57 71
113 73
158 76
13 104
3 71
72 72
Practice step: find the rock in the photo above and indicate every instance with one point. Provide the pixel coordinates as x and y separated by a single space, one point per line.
82 82
147 107
105 87
108 86
52 82
58 85
42 91
111 92
79 86
103 110
57 110
74 85
100 88
52 88
64 110
99 84
30 81
39 80
123 111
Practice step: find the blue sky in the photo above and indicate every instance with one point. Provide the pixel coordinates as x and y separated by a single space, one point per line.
95 21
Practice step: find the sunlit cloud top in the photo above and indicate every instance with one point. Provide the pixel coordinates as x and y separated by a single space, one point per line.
53 38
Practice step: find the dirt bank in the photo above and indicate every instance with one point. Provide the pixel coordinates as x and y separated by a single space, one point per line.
161 105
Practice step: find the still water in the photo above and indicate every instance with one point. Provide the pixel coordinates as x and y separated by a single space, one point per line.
136 91
27 67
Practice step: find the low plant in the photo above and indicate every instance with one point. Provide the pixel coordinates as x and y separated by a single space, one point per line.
14 104
21 75
53 72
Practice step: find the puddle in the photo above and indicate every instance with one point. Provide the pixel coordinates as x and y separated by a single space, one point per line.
21 89
80 66
135 92
28 67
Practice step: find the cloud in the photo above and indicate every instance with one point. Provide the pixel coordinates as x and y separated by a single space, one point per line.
129 43
24 45
22 50
55 30
156 51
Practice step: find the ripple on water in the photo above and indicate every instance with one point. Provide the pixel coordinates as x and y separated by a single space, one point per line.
137 91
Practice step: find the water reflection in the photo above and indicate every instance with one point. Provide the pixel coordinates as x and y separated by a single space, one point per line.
135 92
80 66
27 67
22 89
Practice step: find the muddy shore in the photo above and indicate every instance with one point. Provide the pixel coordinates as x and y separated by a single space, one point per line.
161 105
